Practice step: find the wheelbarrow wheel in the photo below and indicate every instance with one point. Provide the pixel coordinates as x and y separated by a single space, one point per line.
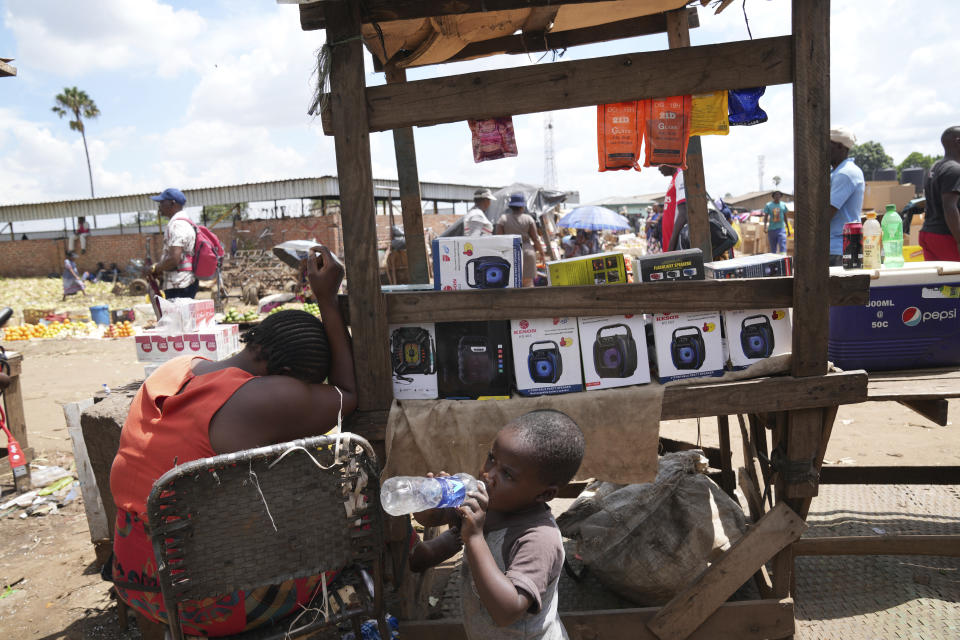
138 287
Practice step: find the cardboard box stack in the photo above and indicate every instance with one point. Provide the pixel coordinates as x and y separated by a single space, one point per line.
188 327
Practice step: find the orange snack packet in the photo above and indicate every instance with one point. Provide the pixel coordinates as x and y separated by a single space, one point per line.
619 135
667 131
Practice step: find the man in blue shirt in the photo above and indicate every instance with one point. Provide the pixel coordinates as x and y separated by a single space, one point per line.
846 190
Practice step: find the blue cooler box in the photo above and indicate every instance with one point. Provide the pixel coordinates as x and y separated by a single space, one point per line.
911 321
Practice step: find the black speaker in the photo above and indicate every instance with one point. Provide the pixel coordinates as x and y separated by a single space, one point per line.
488 272
615 354
545 363
411 352
756 338
476 361
687 350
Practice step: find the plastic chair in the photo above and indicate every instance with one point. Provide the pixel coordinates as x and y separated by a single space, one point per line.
262 516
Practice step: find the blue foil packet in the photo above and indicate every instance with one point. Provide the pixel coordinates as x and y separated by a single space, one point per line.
744 106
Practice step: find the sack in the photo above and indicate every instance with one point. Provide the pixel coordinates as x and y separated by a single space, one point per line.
722 235
744 106
207 252
493 138
619 135
648 541
667 131
708 114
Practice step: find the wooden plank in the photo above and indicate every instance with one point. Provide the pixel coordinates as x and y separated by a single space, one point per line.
925 384
935 410
704 295
948 475
751 619
728 480
100 528
352 143
804 429
314 16
545 87
7 70
694 604
15 360
894 545
678 36
13 405
408 177
811 162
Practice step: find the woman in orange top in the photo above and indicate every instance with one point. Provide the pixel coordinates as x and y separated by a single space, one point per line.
272 391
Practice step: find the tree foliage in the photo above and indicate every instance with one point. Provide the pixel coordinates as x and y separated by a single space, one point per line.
77 103
917 159
870 156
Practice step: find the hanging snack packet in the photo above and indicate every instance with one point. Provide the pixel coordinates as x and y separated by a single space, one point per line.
493 138
745 106
668 131
708 114
619 135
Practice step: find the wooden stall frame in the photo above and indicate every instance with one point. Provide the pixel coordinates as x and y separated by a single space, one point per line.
801 59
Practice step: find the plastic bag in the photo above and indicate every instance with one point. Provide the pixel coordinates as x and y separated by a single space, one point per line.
647 541
667 131
493 139
744 106
708 114
619 135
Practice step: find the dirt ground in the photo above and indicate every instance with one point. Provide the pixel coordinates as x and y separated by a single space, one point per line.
57 592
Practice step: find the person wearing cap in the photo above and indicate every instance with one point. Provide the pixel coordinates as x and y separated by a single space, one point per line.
775 223
176 262
940 233
846 190
516 222
476 222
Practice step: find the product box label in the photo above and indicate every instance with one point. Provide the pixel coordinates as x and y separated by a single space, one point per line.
546 356
764 265
614 351
473 359
688 345
486 262
754 335
599 268
413 360
686 264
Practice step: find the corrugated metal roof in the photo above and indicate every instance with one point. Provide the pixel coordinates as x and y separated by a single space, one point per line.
755 194
325 186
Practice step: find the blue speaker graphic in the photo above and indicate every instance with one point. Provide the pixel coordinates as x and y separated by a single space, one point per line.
544 362
756 337
614 354
487 272
687 349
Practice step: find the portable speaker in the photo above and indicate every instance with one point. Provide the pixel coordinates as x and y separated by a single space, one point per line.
488 272
545 363
411 352
756 339
615 355
687 350
476 361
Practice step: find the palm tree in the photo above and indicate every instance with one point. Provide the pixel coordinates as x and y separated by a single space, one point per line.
776 181
78 103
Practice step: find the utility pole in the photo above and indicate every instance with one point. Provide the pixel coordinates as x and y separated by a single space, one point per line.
549 162
760 172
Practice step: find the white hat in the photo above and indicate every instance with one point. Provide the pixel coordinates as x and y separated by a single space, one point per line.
483 193
844 136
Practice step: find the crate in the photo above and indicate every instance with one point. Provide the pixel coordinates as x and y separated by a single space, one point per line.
34 316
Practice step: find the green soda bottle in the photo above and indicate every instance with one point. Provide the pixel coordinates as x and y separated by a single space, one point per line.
892 229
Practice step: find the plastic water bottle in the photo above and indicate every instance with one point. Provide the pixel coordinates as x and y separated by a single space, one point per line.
408 494
871 242
105 388
892 227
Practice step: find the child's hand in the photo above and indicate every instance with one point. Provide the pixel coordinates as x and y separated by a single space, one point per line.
473 513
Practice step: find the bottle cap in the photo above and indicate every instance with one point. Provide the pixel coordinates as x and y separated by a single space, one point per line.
891 207
871 214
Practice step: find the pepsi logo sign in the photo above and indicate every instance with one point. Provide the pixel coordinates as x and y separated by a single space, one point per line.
912 316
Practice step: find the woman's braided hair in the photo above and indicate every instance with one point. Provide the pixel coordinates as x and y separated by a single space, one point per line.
294 343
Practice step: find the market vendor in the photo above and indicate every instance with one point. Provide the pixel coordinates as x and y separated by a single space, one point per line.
674 208
190 408
179 239
516 222
846 190
476 222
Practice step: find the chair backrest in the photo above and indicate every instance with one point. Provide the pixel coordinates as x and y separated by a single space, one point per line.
262 516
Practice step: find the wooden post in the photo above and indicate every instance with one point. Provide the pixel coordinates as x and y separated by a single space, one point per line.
678 35
368 318
405 149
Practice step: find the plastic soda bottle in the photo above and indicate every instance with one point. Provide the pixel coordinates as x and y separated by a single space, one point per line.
871 242
408 494
892 227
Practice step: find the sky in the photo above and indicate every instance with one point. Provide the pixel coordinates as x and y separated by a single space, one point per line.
198 94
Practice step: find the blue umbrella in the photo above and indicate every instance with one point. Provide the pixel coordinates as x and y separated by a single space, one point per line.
593 218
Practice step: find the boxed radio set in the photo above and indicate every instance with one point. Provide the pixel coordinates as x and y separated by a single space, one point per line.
413 361
614 351
484 262
473 359
598 268
764 265
688 345
685 264
546 356
754 335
